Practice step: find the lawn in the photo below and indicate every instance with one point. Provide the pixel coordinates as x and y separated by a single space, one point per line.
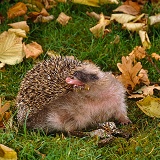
76 39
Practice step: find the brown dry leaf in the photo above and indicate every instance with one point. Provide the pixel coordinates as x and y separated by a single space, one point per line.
96 15
43 19
32 50
135 5
156 56
145 39
95 3
52 3
7 153
139 52
18 9
154 19
11 48
150 106
99 30
4 116
63 19
143 77
129 71
122 18
134 26
20 25
126 9
44 12
2 65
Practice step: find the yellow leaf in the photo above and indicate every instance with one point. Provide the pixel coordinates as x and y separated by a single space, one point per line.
154 19
32 50
99 29
94 3
150 106
7 153
134 26
20 25
18 32
122 18
10 48
17 10
63 19
145 39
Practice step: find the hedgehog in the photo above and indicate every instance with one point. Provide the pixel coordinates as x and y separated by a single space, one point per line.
65 94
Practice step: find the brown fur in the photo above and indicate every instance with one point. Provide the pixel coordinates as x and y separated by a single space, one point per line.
76 110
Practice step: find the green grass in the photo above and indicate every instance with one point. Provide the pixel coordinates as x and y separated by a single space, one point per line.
76 39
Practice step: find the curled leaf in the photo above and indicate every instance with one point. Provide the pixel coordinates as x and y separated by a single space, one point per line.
18 9
18 32
145 39
63 19
20 25
122 18
134 26
143 76
99 30
32 50
150 106
154 19
43 19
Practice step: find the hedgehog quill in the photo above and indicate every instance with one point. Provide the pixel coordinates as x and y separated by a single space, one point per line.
64 94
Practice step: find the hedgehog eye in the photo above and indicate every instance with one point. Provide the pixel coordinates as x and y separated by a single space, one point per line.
93 77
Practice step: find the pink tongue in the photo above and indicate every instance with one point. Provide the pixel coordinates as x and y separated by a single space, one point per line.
74 81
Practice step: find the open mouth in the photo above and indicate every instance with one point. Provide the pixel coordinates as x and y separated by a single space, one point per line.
73 81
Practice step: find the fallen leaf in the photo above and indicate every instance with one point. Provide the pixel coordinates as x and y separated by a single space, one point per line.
93 15
134 26
129 76
150 106
20 25
63 19
2 65
99 30
143 77
135 5
43 19
95 3
145 39
154 19
18 9
11 48
32 50
122 18
7 153
139 52
18 32
116 40
44 12
156 56
126 9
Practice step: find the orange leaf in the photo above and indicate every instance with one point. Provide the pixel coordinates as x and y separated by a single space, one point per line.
32 50
18 9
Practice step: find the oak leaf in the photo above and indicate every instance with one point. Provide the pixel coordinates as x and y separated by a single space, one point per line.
32 50
156 56
18 9
63 19
150 106
129 76
139 52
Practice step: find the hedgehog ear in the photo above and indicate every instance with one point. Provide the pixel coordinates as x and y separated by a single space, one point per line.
73 81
